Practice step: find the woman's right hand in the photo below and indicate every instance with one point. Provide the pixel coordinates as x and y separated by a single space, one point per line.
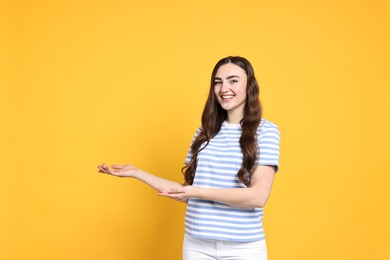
119 170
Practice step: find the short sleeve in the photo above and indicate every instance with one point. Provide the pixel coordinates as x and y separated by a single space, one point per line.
189 153
268 144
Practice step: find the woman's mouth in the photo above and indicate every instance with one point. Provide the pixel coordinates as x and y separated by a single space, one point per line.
228 96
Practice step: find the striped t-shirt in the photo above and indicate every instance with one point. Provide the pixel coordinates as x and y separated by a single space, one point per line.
217 167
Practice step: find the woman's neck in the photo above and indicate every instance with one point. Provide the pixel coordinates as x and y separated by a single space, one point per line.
234 117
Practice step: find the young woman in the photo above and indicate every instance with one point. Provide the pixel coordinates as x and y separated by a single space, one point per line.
229 169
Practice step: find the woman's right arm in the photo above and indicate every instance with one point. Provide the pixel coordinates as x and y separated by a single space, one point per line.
128 170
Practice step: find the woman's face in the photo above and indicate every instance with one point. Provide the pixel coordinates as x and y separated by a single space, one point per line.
230 89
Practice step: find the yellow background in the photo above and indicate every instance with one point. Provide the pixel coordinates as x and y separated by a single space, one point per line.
86 82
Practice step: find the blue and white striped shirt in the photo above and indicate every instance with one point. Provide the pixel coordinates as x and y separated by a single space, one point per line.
217 167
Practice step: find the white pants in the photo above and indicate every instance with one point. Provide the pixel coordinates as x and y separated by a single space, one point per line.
210 249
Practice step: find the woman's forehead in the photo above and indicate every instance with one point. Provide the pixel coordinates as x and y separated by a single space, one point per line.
230 69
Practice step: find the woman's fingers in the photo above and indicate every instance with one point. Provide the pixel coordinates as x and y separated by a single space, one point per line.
175 196
107 168
117 166
178 197
161 191
175 191
101 169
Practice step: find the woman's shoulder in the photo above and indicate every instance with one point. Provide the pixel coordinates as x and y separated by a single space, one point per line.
266 125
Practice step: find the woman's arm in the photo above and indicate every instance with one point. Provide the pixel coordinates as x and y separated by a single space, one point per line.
255 196
157 183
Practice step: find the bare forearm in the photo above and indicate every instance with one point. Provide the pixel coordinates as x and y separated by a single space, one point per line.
156 182
247 198
255 196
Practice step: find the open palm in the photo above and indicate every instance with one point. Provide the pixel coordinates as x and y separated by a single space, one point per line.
126 170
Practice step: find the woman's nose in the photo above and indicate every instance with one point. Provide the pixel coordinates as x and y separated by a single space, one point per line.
224 87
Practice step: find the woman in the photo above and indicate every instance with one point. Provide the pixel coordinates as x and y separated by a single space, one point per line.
229 169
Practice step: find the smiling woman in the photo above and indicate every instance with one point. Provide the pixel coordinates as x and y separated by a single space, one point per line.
230 89
229 170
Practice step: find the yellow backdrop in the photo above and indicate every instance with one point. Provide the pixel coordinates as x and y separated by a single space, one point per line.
86 82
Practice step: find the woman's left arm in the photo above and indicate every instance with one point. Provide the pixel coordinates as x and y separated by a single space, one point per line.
255 196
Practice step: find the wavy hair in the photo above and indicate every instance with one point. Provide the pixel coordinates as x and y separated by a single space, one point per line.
214 115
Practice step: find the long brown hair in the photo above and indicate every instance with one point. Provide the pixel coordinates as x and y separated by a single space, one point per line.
214 115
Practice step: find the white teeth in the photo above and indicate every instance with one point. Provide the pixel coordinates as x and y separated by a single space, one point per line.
227 97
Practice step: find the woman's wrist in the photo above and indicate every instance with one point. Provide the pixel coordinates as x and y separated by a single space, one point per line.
198 193
137 174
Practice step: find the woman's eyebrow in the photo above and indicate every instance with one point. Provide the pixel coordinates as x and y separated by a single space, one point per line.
230 77
233 76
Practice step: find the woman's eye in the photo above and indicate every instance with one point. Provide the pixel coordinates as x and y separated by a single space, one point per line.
217 83
233 81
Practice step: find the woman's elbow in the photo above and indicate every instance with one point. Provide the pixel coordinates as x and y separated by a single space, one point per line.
259 203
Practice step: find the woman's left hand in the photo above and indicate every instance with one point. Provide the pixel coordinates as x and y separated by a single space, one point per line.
180 194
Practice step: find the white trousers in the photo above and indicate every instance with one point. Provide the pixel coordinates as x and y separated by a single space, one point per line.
210 249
